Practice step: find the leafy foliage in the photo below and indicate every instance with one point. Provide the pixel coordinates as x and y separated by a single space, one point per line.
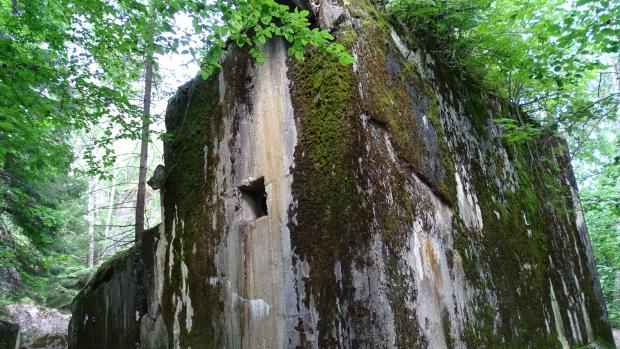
47 277
543 56
250 23
51 82
513 132
597 168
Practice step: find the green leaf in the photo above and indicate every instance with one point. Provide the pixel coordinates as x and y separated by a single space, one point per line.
7 126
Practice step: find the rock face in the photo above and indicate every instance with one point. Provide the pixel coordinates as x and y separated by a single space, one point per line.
45 326
312 205
10 281
52 341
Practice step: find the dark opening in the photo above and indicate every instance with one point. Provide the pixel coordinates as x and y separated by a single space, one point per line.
255 196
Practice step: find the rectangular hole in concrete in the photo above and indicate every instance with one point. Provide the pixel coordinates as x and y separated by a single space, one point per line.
254 197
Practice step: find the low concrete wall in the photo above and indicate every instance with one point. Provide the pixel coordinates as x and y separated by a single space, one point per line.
108 312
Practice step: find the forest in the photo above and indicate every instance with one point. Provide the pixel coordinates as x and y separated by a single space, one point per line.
84 86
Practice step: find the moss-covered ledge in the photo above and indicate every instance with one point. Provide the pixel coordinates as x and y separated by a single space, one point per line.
114 299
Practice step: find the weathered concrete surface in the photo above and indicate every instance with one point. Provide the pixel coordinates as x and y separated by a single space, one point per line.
107 313
242 259
108 306
393 213
9 335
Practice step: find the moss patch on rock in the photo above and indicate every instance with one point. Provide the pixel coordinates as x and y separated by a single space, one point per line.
329 225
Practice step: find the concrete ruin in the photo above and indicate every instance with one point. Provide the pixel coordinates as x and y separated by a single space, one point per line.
308 204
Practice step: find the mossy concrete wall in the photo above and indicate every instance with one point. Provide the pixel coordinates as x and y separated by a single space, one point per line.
396 216
115 308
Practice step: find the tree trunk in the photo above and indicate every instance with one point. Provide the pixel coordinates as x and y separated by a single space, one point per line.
108 221
144 146
91 222
617 90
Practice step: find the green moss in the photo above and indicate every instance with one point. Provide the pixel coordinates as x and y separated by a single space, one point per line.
50 340
111 266
482 333
447 328
463 243
504 247
369 15
408 333
511 254
390 105
447 186
326 90
477 110
194 120
331 221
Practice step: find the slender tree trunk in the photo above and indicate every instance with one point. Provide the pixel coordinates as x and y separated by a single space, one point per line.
91 222
108 221
617 90
144 143
617 80
144 148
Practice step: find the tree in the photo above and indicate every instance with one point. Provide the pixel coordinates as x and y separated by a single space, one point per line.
144 137
55 78
111 208
91 210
